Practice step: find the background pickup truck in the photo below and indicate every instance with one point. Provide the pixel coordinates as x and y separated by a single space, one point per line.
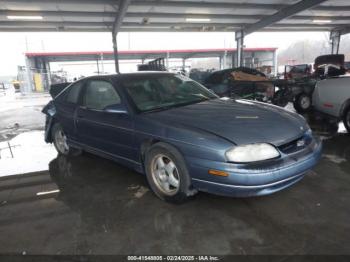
243 82
332 98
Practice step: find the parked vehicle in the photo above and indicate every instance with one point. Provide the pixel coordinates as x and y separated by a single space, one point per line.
329 66
181 136
200 75
332 98
224 83
297 71
299 88
297 91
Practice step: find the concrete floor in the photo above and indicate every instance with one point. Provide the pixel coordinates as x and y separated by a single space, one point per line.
88 205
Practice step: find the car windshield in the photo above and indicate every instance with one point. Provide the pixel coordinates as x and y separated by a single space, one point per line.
161 92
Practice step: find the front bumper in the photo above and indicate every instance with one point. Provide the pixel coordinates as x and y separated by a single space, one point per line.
260 179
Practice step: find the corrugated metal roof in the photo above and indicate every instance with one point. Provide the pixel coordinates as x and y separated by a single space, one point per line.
140 54
170 15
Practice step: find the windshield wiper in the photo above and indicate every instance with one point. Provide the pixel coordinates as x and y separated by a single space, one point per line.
204 98
163 108
157 109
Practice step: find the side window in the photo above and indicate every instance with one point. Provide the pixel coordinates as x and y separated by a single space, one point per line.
73 92
99 94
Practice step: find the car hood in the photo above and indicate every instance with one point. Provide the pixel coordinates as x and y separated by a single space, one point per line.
238 121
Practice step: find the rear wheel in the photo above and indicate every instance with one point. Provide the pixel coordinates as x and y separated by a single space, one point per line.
167 173
302 103
60 141
346 119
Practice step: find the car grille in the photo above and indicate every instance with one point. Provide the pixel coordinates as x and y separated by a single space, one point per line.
296 145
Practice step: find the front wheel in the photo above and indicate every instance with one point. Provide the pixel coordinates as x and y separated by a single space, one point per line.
302 103
167 173
346 119
60 141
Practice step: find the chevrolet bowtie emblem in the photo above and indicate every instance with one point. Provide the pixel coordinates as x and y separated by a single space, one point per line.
300 143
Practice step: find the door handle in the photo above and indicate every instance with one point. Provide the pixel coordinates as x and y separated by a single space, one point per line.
79 114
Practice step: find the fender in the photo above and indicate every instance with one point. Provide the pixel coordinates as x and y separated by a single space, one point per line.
50 111
345 105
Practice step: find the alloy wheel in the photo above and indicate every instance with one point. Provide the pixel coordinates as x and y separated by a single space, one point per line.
165 174
305 102
61 142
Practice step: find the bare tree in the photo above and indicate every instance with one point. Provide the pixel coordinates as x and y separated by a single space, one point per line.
306 51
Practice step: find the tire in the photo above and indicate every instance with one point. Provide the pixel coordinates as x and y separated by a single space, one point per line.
346 119
302 103
60 142
167 174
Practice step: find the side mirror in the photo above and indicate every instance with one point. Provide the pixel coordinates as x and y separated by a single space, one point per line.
116 109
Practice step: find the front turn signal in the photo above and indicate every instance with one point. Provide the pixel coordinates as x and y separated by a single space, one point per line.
217 172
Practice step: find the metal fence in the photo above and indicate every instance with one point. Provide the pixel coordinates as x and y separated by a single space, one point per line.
34 80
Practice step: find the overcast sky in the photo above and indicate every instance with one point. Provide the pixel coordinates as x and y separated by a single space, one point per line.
13 45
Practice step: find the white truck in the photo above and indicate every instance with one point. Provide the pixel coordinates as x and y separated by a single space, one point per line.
332 97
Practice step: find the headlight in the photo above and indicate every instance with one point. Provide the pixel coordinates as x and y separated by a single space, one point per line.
252 153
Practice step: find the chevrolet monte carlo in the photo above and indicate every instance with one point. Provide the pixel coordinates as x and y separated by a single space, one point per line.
183 137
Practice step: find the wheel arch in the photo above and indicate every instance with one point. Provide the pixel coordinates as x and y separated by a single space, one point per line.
344 107
145 146
48 129
148 143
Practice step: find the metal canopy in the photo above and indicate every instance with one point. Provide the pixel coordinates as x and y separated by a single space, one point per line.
140 54
175 15
123 6
284 13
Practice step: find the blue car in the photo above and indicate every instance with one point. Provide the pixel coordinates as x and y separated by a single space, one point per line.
183 137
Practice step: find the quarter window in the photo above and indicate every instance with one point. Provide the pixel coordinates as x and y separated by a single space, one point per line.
73 92
100 94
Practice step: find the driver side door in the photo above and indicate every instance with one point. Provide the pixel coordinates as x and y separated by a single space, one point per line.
102 130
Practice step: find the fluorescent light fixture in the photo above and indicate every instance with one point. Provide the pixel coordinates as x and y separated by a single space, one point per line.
197 19
321 21
24 17
47 192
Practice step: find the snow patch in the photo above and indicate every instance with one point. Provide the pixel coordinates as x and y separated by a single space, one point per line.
30 153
